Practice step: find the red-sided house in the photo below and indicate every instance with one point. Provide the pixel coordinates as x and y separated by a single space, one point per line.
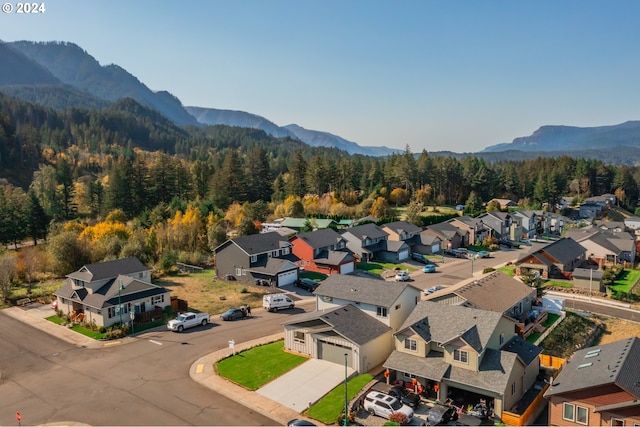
324 251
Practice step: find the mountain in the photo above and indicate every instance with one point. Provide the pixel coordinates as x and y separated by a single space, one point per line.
17 69
316 138
212 116
570 138
73 66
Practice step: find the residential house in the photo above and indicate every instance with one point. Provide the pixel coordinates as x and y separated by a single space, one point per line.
529 222
504 226
598 386
633 223
478 232
403 231
456 352
323 251
265 256
603 200
430 243
565 203
315 223
335 332
107 293
552 223
504 203
494 291
389 302
590 210
557 259
611 226
366 242
450 236
604 247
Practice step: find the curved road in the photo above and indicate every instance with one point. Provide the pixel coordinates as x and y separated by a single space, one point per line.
145 382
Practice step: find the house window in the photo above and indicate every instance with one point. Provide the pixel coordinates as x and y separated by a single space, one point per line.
157 299
254 258
617 422
410 376
461 356
513 388
274 253
140 275
238 272
112 312
285 251
298 336
568 412
244 271
381 311
410 344
501 339
398 307
582 415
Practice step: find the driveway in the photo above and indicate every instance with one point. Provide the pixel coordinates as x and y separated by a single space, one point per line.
301 387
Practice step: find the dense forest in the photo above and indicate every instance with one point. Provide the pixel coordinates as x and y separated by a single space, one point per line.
124 180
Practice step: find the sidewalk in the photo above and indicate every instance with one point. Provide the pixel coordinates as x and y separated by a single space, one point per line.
593 300
202 371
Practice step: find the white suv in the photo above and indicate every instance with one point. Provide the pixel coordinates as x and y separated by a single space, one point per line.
383 405
402 276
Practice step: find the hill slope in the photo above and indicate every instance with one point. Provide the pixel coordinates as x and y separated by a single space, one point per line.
213 116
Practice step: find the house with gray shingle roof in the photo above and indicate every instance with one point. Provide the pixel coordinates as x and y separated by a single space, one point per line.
557 259
403 231
605 247
477 230
388 302
323 251
494 291
264 256
599 385
330 334
106 293
451 236
366 242
315 223
457 350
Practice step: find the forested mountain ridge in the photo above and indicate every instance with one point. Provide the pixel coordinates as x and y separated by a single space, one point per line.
73 66
571 138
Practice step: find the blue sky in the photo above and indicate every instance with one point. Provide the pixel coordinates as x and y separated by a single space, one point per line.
434 75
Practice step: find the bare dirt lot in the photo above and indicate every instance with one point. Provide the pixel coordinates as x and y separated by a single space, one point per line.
618 329
203 292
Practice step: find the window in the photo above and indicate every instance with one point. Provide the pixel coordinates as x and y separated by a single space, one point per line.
244 271
381 311
157 299
617 422
112 312
461 356
568 412
254 258
285 251
140 275
238 272
410 344
274 253
398 307
513 388
298 336
501 339
582 415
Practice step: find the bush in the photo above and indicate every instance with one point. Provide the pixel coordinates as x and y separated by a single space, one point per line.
488 270
243 290
399 418
391 423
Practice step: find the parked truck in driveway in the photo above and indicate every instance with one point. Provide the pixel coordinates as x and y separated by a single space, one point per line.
188 320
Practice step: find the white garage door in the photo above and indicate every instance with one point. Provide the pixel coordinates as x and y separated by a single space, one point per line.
435 248
334 353
287 278
346 268
403 255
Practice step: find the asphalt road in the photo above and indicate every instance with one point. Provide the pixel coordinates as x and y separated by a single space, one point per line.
621 313
145 382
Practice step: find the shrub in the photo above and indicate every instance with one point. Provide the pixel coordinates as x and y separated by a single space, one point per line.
391 423
102 329
243 290
399 418
488 270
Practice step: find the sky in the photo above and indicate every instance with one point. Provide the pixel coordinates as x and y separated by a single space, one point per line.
456 75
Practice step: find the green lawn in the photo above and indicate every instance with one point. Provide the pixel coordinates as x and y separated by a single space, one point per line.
509 270
379 267
329 408
558 284
313 275
551 319
79 329
626 281
256 366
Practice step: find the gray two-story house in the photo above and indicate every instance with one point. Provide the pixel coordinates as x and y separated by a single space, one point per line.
265 256
367 242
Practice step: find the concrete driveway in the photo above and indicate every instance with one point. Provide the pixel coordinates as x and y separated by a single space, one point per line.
304 385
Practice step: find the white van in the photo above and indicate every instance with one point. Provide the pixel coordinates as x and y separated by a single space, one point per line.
275 302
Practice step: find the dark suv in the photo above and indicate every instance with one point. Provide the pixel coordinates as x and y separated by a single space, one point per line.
419 257
307 284
405 396
441 414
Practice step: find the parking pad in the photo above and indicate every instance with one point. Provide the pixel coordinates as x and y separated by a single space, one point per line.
304 385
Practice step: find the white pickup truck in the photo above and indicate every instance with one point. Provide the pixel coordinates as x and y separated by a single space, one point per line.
188 320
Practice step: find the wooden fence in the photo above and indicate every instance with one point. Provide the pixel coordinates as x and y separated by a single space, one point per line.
512 419
552 361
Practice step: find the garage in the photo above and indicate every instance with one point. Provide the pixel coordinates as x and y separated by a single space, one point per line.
402 255
347 268
332 352
287 278
435 248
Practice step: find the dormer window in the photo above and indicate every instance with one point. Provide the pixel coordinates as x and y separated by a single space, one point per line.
274 253
254 258
461 356
285 251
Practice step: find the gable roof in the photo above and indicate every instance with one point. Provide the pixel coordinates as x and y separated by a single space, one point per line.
402 226
320 238
363 290
319 223
347 321
564 250
254 244
444 323
493 373
364 231
615 363
467 220
108 269
525 350
495 291
446 230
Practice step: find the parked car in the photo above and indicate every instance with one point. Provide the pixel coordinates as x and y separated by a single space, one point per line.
402 276
403 394
383 405
188 320
233 314
299 422
419 257
429 268
483 254
307 284
441 414
456 253
275 302
433 290
506 243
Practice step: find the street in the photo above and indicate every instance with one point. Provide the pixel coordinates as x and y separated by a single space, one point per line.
145 382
